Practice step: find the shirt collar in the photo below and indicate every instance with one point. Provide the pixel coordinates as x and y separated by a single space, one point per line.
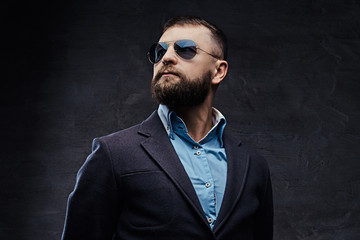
218 120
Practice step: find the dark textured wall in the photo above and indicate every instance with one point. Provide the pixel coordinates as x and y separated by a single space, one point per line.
78 69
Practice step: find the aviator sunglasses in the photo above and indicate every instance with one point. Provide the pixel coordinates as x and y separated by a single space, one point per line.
186 49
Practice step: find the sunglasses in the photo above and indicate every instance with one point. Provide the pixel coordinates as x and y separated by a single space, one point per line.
186 49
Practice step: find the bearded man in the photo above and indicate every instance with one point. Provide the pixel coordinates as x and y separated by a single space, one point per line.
179 174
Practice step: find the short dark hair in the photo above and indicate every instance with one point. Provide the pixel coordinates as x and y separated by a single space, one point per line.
217 33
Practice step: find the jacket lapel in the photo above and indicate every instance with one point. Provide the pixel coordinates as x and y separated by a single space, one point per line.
158 145
238 161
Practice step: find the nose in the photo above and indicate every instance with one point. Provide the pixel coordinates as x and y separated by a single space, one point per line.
170 56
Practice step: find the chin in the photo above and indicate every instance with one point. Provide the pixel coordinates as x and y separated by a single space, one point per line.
166 79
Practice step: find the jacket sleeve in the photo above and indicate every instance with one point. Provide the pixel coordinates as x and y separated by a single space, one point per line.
265 215
93 205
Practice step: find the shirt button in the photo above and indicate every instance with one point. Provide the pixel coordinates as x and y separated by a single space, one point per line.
210 220
198 153
196 147
207 184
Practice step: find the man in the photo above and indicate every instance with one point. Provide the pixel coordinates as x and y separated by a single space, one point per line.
178 174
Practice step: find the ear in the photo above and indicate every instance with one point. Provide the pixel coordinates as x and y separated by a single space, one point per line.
220 71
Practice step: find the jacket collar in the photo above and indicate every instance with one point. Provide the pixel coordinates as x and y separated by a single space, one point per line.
237 169
159 147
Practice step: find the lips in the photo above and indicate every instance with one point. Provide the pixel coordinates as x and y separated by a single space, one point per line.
169 73
166 72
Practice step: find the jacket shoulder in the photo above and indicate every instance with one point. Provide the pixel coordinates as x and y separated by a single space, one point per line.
121 135
133 133
254 156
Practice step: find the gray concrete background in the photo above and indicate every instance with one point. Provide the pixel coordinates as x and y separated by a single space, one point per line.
76 70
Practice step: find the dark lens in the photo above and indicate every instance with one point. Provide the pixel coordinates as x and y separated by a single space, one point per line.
160 51
185 49
151 53
157 51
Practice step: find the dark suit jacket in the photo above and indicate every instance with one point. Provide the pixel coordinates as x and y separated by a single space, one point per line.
133 186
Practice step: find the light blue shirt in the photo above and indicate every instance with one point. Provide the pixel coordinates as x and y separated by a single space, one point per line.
204 161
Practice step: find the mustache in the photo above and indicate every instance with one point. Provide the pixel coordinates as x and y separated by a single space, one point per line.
167 70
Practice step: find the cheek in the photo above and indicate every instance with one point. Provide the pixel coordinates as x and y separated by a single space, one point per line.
199 68
156 69
197 72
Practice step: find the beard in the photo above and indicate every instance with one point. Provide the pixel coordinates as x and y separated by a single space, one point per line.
180 91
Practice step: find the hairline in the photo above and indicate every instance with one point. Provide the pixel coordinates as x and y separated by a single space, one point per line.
221 47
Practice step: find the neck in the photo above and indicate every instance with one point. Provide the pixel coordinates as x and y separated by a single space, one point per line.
198 119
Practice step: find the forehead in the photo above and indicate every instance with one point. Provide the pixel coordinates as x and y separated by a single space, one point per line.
198 33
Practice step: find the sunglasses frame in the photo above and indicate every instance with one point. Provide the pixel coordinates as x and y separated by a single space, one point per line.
176 50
